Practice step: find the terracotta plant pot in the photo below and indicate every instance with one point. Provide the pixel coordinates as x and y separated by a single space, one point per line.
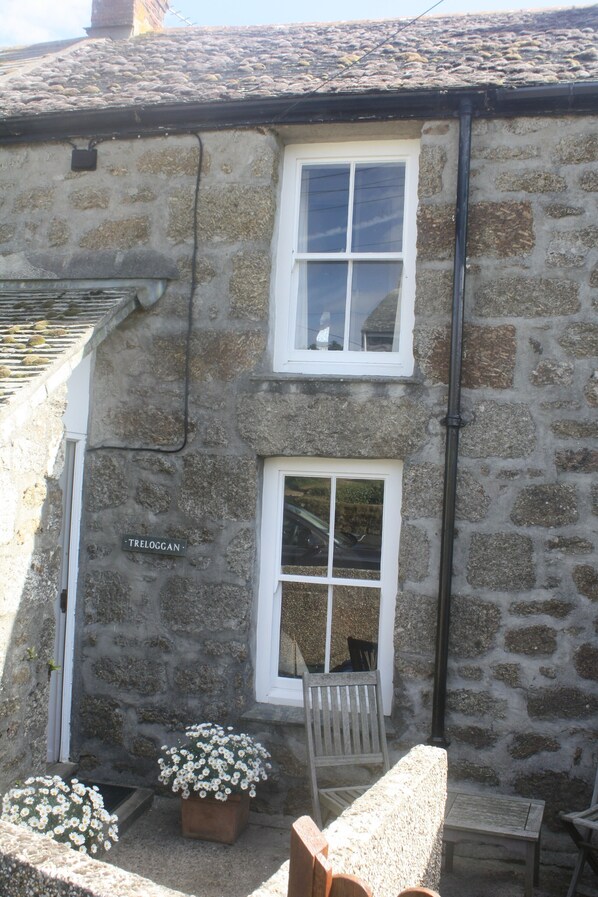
209 819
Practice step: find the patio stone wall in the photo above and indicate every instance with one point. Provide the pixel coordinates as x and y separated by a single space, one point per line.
164 642
389 843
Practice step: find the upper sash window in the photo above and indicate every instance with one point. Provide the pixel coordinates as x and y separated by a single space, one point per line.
346 259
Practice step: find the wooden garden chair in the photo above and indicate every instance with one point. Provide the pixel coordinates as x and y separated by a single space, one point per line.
310 872
345 728
583 828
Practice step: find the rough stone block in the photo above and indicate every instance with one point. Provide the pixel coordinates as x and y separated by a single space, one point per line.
550 504
423 493
530 744
499 430
131 674
488 355
190 607
576 148
562 210
107 597
501 229
250 286
527 297
552 373
223 487
552 607
435 232
434 292
240 554
560 702
225 355
101 718
89 198
145 747
152 496
124 233
106 483
590 390
414 559
586 661
238 212
144 425
575 429
476 736
58 233
509 673
501 562
170 162
532 640
201 679
470 771
309 424
476 703
474 626
37 198
580 461
531 181
589 181
570 545
415 624
431 166
585 577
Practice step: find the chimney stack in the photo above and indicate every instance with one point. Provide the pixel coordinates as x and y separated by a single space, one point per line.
125 18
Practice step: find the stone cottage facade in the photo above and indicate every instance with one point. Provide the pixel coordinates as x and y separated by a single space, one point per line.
208 417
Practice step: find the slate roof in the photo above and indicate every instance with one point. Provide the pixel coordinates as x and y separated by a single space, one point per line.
207 65
41 330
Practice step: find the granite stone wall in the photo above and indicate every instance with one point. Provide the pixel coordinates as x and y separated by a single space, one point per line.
168 641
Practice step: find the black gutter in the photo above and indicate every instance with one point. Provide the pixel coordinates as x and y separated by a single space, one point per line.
148 120
453 422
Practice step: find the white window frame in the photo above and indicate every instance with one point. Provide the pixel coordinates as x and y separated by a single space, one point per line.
270 687
286 357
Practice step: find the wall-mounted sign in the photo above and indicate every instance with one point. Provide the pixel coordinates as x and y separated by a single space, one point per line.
154 545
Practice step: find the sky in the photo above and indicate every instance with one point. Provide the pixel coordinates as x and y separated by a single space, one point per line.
36 21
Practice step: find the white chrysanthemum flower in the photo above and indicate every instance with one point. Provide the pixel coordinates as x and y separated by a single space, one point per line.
68 812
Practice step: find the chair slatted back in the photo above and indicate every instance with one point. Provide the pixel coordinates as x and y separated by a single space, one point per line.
345 721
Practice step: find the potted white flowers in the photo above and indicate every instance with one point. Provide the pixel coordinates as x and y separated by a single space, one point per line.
68 812
215 771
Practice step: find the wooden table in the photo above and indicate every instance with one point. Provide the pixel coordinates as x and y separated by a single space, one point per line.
513 822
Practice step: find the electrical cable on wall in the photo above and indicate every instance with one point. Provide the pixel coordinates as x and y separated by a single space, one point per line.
192 289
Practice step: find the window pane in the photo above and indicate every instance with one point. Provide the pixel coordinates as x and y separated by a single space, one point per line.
305 527
355 618
302 629
358 528
378 208
321 301
375 306
323 209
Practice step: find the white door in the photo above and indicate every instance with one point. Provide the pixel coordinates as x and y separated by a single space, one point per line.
75 422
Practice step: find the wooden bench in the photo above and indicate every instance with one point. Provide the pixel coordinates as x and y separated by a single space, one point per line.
514 822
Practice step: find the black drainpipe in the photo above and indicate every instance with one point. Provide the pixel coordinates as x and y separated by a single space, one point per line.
453 422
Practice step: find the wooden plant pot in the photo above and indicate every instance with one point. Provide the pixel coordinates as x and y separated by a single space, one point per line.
208 819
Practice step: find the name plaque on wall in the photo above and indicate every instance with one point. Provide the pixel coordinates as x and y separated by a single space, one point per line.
154 545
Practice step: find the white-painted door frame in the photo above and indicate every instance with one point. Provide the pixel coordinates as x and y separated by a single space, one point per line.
61 692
